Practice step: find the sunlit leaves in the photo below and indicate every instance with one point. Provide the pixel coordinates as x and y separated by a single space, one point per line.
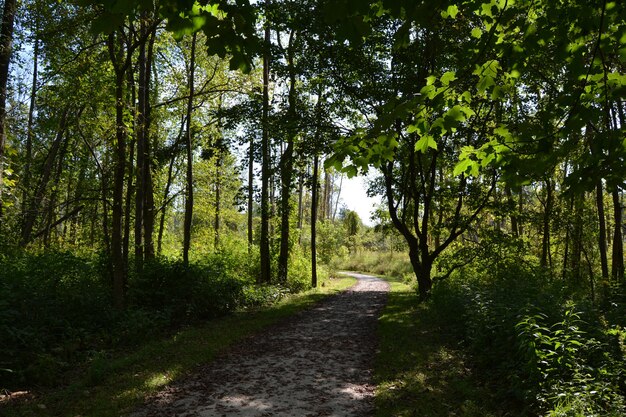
426 142
229 27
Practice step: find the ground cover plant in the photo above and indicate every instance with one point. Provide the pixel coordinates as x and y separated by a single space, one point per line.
117 378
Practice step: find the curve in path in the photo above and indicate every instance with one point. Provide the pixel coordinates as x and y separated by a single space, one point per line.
318 363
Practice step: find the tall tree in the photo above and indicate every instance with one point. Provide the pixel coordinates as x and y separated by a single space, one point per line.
6 48
266 269
189 150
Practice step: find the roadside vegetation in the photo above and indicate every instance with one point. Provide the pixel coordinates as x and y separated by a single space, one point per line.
171 163
118 377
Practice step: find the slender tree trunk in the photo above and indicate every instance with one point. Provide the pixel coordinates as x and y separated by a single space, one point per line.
148 207
314 201
577 239
547 213
117 250
338 197
34 205
189 149
520 209
28 158
218 189
52 202
130 187
266 270
250 193
6 46
511 206
300 204
617 266
166 196
140 127
287 171
602 230
121 62
568 235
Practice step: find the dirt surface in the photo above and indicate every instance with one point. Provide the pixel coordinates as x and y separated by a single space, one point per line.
318 363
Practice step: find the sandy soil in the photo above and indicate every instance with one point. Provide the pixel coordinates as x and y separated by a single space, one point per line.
318 363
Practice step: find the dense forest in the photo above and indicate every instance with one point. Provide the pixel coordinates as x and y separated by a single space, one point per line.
166 162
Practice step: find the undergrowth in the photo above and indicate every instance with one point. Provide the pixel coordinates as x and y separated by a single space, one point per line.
56 308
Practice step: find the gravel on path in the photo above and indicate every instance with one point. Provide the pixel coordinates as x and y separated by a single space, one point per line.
317 363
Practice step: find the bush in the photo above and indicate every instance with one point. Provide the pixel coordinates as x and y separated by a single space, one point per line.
540 345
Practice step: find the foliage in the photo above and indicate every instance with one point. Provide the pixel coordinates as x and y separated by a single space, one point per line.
113 383
527 329
421 366
56 307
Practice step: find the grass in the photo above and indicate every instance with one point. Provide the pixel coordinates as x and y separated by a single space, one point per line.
421 369
113 384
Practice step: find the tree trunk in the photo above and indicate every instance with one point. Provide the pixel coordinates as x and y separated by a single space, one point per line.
28 158
166 196
602 230
422 267
314 200
148 207
300 205
266 269
577 239
617 266
218 191
189 149
511 207
130 187
34 205
337 199
547 213
287 171
250 194
6 46
117 250
121 62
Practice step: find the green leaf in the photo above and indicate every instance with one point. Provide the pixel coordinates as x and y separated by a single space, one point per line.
431 80
477 32
426 142
448 77
453 10
351 171
462 166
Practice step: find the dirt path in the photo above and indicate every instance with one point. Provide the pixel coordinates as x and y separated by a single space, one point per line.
316 364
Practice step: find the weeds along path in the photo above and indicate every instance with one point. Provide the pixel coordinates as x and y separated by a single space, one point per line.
318 363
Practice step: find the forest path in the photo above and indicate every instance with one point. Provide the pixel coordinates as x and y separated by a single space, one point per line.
317 363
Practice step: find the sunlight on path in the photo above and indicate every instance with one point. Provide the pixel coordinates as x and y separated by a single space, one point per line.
318 363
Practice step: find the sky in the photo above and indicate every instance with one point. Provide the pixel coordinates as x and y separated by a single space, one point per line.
354 196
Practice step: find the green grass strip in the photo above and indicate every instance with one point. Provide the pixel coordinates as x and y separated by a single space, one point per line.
421 368
111 387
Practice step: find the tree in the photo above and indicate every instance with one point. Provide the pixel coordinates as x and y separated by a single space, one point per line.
6 42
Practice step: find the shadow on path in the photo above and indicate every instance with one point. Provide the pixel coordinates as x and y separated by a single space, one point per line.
317 363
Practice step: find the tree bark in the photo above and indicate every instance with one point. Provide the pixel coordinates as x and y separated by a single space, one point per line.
34 204
250 194
189 149
602 230
617 266
6 46
287 170
28 158
314 202
148 207
266 269
547 213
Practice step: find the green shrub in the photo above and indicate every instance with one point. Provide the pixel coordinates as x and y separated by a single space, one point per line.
539 343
